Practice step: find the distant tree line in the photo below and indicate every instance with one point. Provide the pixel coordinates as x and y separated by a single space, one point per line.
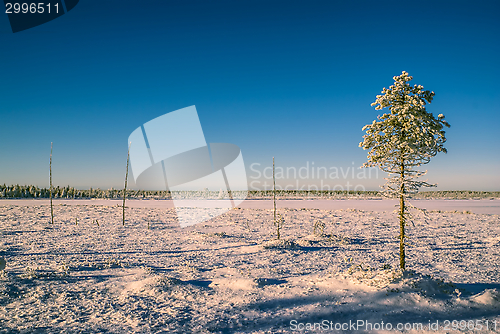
31 191
448 194
458 194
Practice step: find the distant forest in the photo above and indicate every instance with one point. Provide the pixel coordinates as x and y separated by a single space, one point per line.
30 191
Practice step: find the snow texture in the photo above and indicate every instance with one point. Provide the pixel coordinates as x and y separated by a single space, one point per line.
228 275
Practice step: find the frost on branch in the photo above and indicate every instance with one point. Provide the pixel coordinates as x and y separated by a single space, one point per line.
405 137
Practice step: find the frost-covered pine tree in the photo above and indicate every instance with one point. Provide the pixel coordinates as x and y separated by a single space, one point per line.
401 140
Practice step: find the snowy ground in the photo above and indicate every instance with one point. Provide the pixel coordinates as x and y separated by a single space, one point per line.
229 276
488 206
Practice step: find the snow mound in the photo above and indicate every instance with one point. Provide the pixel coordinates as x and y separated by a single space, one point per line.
236 284
217 235
261 282
425 285
280 244
323 239
378 278
487 297
396 280
197 235
242 284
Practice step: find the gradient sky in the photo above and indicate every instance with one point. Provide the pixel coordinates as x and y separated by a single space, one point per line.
290 79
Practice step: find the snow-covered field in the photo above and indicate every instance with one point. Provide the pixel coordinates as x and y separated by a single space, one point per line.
229 276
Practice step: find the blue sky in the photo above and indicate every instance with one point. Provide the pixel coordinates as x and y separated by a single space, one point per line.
289 79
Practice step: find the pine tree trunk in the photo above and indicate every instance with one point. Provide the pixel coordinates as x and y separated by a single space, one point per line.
402 263
51 205
274 202
125 187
